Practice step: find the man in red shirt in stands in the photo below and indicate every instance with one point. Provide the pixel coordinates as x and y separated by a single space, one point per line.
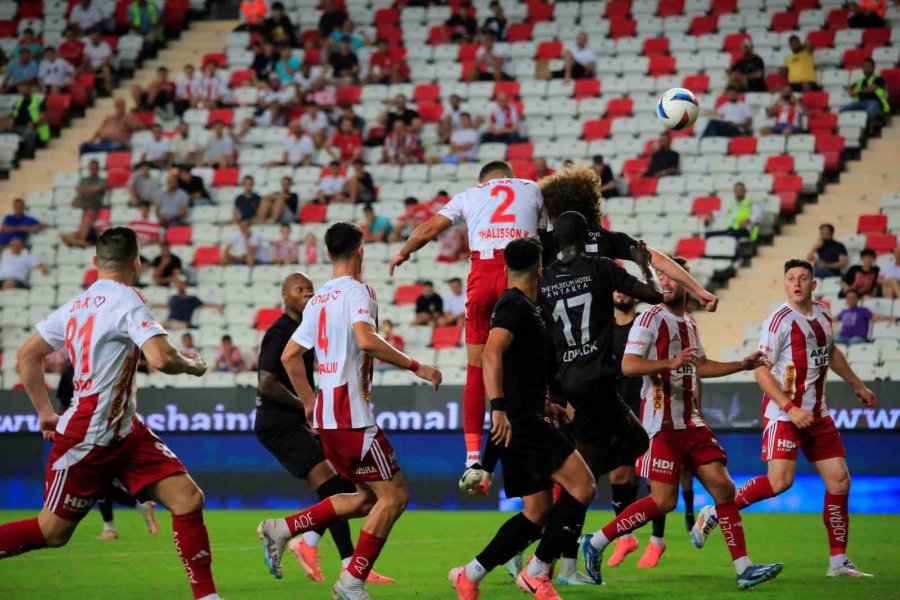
345 145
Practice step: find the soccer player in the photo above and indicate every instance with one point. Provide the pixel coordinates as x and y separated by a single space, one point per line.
281 427
664 346
497 211
534 453
340 322
797 342
105 329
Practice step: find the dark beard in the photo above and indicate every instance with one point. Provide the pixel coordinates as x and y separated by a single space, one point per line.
624 306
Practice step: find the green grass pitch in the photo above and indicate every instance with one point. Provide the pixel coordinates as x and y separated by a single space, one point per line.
425 545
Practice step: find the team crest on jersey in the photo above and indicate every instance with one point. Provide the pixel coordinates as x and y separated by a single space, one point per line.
99 300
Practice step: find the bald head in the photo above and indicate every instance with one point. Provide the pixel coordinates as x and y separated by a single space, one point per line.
296 290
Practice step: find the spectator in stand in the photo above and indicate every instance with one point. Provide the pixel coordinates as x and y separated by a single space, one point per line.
115 131
384 67
146 20
24 69
312 253
54 73
346 144
323 94
315 123
219 151
742 218
450 119
245 247
299 148
799 67
580 60
889 280
184 89
401 146
71 48
359 124
463 142
304 80
182 305
360 188
286 65
454 304
29 120
246 204
279 28
400 110
855 321
541 168
159 94
252 15
376 228
265 56
186 151
332 184
391 337
866 14
285 251
608 186
347 31
504 122
496 23
414 214
344 64
98 59
229 359
281 206
491 60
454 245
173 205
158 149
333 17
16 264
748 73
462 24
85 16
143 187
786 112
17 224
209 90
429 306
90 197
869 94
193 186
29 41
862 278
828 256
145 226
167 267
663 160
271 103
733 117
187 346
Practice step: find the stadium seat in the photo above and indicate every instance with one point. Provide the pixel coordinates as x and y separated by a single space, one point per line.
90 277
619 107
699 84
723 7
427 91
549 50
521 151
821 39
429 111
586 88
348 95
881 243
178 235
207 256
519 32
876 37
690 248
783 182
617 9
733 41
225 177
225 115
704 24
780 163
596 129
539 12
217 58
855 57
117 178
510 88
784 21
822 123
642 186
669 8
656 45
446 337
745 144
313 213
814 101
872 224
621 28
407 294
266 317
662 65
705 205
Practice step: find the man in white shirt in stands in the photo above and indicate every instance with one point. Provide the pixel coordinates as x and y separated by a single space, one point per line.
54 72
208 90
219 147
185 148
463 142
98 55
244 246
580 60
299 148
315 123
733 117
454 304
491 60
889 279
85 16
16 263
158 149
332 184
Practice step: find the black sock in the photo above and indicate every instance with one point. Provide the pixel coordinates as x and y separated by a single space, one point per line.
571 550
121 496
688 496
659 526
106 509
513 537
623 495
340 530
563 527
490 456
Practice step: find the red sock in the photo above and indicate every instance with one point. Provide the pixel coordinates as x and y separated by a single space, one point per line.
473 409
636 515
192 544
753 491
317 516
837 523
732 528
19 537
368 547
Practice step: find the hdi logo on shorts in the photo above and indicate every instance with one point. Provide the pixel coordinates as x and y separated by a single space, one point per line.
76 503
663 465
786 445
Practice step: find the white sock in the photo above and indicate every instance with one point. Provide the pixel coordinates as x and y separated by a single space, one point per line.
538 568
142 507
348 580
627 536
472 458
836 561
658 541
109 526
211 597
741 564
569 566
282 529
312 539
475 571
345 562
599 541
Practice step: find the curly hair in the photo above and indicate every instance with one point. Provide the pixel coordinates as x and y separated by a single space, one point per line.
575 188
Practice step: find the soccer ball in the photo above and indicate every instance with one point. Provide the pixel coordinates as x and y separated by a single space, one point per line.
677 108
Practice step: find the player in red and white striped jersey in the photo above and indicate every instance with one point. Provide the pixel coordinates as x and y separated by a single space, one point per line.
797 340
664 347
341 323
98 438
497 211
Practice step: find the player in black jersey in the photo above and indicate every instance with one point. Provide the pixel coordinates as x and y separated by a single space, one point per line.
282 427
534 454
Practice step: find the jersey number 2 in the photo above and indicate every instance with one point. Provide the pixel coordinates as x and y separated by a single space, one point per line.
322 336
560 312
509 196
85 333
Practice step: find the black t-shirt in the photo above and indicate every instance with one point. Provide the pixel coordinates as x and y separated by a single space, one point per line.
331 21
280 28
601 242
431 304
247 205
342 62
830 252
629 388
462 27
864 282
409 115
263 65
174 263
576 297
194 186
662 160
524 363
745 66
182 308
292 202
497 26
270 350
606 175
878 81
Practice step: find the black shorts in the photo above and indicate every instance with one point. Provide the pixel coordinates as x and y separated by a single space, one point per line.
291 441
537 450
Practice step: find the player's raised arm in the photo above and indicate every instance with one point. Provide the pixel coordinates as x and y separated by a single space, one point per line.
420 236
31 369
164 357
661 262
372 343
707 369
839 365
292 359
498 342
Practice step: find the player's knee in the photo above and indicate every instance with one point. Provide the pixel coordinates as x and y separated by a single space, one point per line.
780 482
666 503
536 514
723 491
58 539
839 486
585 491
396 503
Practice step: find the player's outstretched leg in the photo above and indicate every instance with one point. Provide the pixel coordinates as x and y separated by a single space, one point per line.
43 531
105 506
687 494
836 516
754 490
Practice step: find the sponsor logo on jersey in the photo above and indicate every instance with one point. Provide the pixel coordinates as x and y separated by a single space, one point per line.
666 466
818 357
365 471
328 368
658 395
790 376
80 304
787 445
82 385
810 335
323 298
585 350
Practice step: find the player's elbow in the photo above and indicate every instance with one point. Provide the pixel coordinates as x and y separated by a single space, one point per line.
629 367
365 342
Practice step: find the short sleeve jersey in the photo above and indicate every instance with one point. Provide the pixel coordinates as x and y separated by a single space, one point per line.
345 371
103 329
270 351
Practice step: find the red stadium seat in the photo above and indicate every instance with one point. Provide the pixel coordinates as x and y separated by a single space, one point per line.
8 29
855 57
892 83
519 32
642 186
690 248
266 317
118 160
833 161
207 256
226 115
90 278
61 101
510 88
549 50
146 117
705 205
622 28
780 163
538 12
386 16
704 24
596 129
821 39
876 37
524 169
520 151
656 45
586 88
467 52
634 167
783 182
775 81
442 34
741 145
392 34
814 101
617 9
427 91
827 142
662 65
669 8
723 7
446 337
822 123
872 224
619 107
30 10
881 243
178 235
837 18
699 84
217 58
784 21
733 41
313 56
225 177
348 95
117 178
241 76
789 202
430 111
312 213
801 5
407 294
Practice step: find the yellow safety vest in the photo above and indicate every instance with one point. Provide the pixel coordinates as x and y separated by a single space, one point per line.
880 92
35 114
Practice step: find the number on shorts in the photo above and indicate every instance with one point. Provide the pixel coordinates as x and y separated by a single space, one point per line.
322 337
560 313
165 450
500 215
85 333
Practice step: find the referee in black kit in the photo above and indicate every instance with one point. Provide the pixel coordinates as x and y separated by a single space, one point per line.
282 427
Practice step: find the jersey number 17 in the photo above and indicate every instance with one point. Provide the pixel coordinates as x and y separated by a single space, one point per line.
560 313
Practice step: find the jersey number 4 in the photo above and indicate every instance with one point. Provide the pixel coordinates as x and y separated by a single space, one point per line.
322 335
85 333
561 314
509 196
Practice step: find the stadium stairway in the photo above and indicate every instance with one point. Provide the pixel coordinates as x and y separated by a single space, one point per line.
749 296
61 155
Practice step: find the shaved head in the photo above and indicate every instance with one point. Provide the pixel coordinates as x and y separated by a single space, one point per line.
296 290
296 278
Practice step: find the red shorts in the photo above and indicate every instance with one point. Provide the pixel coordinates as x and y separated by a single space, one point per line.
670 449
487 280
137 461
360 454
819 441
